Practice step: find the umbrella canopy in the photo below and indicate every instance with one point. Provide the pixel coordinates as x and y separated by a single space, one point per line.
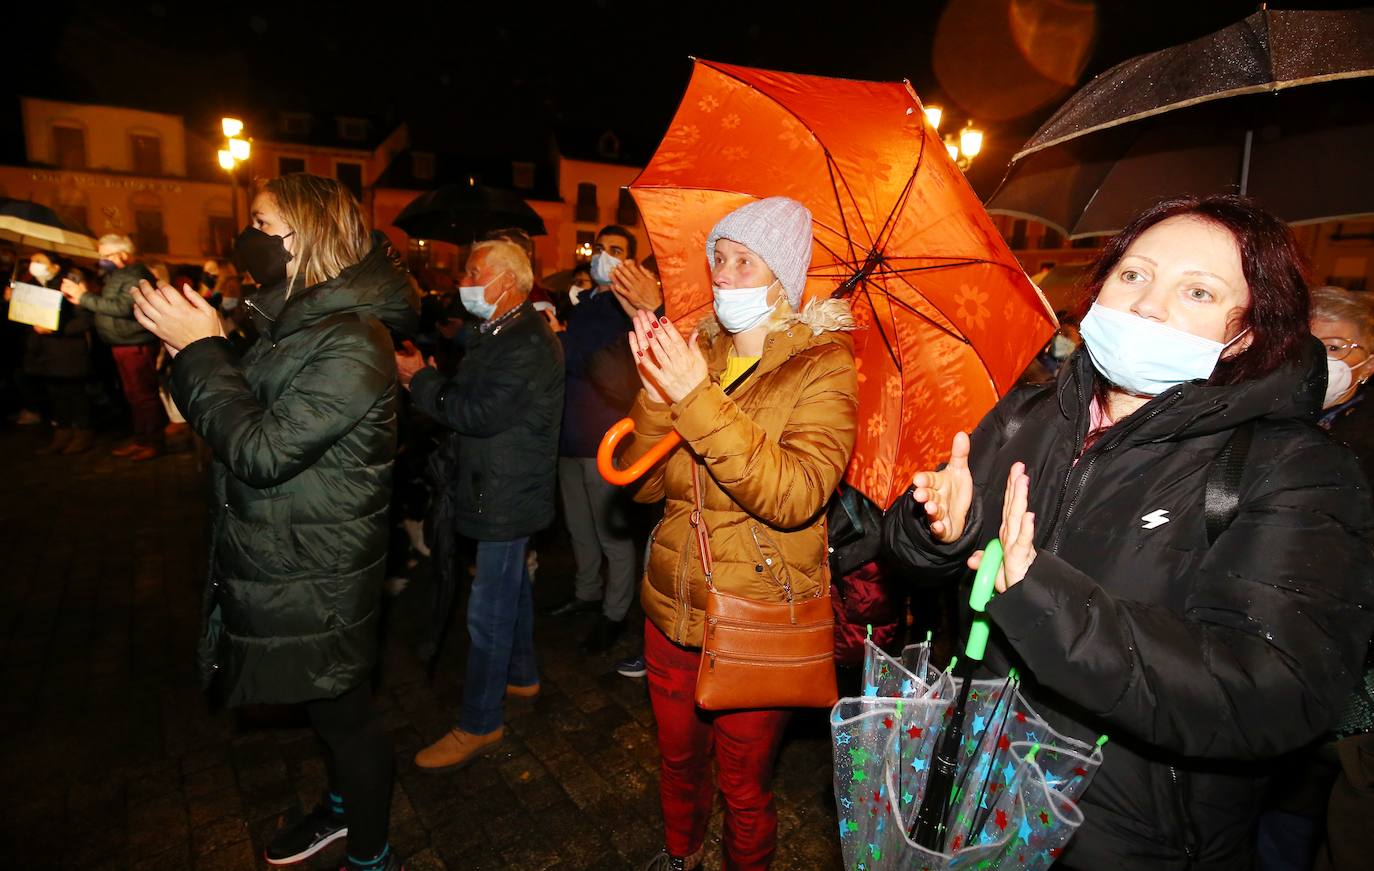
30 223
1277 106
463 214
947 318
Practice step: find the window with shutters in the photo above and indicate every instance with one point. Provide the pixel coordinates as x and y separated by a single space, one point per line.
587 210
221 236
351 174
151 238
69 147
626 212
147 152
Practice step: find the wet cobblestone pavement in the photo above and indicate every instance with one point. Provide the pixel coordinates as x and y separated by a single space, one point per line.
110 757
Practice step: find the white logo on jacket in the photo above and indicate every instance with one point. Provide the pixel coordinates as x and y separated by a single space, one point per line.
1155 519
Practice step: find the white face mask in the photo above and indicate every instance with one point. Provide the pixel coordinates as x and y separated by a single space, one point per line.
474 299
603 265
41 271
1144 357
740 309
1340 376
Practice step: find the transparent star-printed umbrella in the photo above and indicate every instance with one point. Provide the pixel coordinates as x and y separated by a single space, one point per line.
1012 787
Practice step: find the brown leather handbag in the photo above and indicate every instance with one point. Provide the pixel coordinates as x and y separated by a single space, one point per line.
762 654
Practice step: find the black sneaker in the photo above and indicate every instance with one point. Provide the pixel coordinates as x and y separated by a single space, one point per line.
632 666
317 830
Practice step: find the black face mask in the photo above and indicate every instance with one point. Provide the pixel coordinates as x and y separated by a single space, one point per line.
209 280
262 256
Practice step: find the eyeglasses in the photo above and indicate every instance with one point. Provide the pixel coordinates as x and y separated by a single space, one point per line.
1339 349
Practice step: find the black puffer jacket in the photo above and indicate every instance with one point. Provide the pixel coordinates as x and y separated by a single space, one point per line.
304 433
504 404
1201 663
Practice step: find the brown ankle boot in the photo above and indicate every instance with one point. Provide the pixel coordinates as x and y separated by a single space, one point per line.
457 748
61 437
82 440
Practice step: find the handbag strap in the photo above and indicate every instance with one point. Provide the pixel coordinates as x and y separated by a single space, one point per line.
699 527
698 524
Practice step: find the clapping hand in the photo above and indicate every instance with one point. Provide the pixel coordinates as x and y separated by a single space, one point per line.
669 367
409 361
177 317
1017 532
636 288
946 495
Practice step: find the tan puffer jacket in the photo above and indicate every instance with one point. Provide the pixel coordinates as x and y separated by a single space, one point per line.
771 455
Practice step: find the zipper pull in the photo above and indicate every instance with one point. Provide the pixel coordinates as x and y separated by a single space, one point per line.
712 666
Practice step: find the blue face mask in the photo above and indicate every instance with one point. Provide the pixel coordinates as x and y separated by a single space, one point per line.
1144 357
474 299
106 265
740 309
603 265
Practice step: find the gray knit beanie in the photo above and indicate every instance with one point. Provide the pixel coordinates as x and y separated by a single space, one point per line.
778 229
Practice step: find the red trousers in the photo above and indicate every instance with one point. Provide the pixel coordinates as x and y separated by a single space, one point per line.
137 365
744 744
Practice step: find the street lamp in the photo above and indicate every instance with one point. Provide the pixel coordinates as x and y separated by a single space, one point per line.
962 147
237 150
584 251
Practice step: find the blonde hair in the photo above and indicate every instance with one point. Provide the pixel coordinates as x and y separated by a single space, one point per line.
510 257
331 234
1339 304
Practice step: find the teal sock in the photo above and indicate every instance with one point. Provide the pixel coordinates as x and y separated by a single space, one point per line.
374 864
336 805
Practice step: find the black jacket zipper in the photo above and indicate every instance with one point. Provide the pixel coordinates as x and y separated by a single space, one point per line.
1061 519
1185 821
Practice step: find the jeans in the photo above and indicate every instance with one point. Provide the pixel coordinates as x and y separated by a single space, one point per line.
744 744
359 765
138 373
501 634
597 524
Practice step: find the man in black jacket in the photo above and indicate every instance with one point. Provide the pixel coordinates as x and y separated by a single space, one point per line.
505 404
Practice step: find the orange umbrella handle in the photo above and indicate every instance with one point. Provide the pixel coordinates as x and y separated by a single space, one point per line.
605 454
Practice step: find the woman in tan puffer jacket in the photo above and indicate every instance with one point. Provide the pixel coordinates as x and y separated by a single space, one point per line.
770 455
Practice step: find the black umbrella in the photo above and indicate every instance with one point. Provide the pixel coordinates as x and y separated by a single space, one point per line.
463 214
1277 106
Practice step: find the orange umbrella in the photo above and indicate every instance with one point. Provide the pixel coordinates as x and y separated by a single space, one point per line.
947 318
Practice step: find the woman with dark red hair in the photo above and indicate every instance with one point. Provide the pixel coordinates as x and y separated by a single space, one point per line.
1187 566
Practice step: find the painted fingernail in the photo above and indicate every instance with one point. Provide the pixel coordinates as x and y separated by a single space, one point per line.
663 320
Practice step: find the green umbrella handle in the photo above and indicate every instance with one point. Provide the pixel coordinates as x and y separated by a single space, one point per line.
978 600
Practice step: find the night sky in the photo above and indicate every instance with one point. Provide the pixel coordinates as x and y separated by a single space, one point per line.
491 77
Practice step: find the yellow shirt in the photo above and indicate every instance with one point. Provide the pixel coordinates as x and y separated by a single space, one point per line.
735 367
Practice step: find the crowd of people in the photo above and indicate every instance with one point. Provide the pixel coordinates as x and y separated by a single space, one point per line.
1222 643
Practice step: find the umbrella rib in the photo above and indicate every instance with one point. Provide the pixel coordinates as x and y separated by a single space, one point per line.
909 308
917 290
839 207
902 199
877 322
